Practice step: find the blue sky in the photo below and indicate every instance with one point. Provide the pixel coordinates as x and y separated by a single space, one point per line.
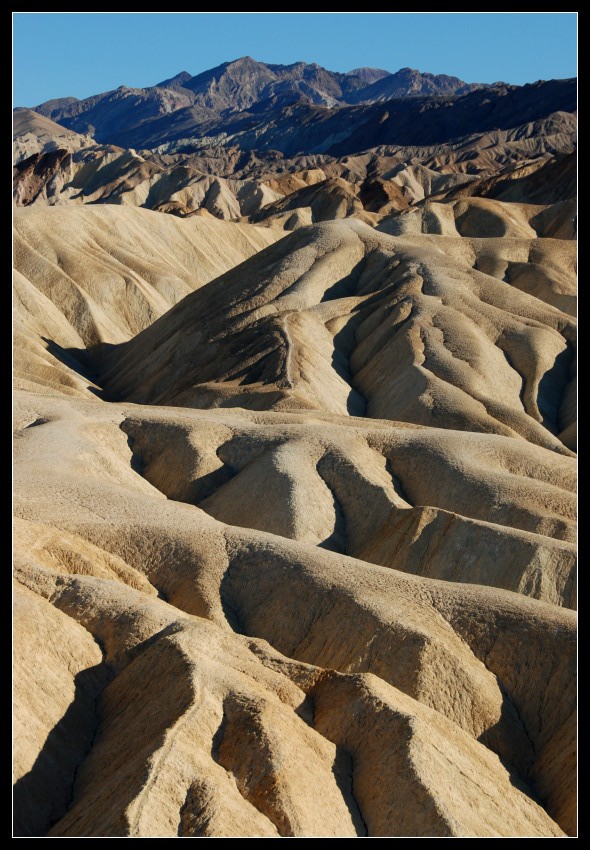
62 54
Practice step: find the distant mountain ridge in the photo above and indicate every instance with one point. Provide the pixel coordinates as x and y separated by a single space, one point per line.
204 101
165 120
243 82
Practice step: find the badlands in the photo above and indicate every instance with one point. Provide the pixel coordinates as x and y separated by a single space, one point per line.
294 468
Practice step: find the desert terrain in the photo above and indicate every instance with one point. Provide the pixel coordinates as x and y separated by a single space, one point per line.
295 458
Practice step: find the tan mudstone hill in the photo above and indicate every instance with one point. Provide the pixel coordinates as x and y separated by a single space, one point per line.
294 526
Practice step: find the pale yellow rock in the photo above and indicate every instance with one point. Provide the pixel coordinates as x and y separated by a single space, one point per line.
400 331
305 567
484 217
58 674
86 276
33 133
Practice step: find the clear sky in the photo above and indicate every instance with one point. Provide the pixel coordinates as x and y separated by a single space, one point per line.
80 54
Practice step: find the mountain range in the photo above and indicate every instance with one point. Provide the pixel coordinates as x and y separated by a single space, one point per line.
214 101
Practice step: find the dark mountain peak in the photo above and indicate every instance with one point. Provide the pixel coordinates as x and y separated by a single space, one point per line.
409 82
236 68
178 80
294 66
56 104
366 69
367 73
414 73
234 85
245 63
360 78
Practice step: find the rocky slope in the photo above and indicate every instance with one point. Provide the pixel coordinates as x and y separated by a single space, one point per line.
300 127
